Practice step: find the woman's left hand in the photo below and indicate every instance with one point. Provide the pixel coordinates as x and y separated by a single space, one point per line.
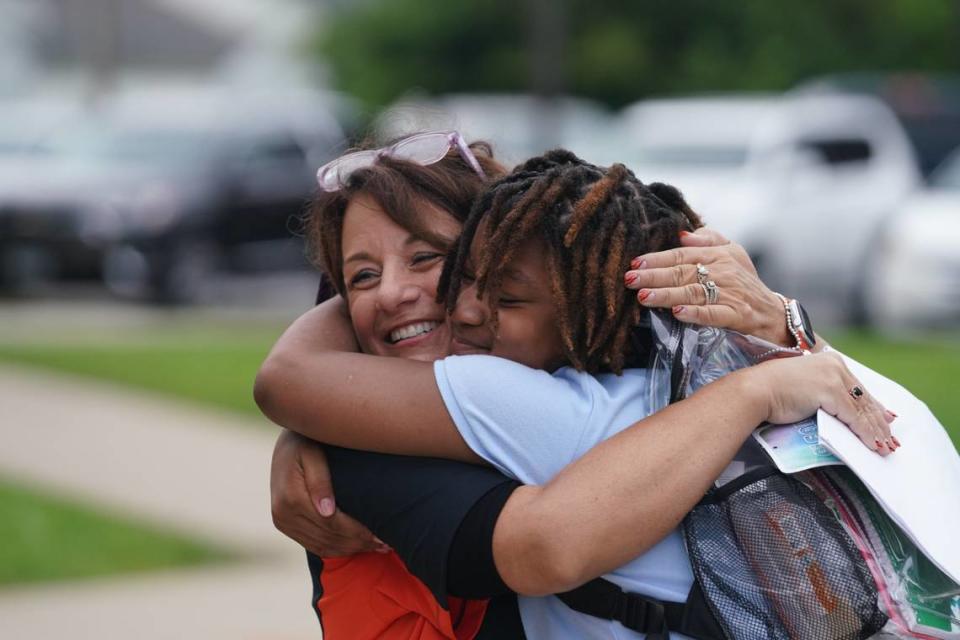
303 506
668 279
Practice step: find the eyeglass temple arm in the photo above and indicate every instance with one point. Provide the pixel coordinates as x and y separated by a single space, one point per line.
467 153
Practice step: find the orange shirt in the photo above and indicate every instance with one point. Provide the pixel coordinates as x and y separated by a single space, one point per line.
372 595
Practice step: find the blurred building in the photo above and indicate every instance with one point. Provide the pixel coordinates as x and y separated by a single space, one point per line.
96 45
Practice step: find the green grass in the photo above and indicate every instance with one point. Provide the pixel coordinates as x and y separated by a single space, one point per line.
215 368
44 538
928 367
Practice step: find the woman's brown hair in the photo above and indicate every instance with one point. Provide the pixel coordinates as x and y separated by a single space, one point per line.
398 186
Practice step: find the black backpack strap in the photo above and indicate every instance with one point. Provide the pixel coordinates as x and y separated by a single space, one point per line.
698 620
603 599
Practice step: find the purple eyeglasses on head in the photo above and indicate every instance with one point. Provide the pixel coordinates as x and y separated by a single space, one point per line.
422 148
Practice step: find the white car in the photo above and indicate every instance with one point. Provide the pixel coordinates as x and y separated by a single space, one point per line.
801 181
914 279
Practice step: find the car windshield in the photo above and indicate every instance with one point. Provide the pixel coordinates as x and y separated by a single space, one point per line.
23 140
10 146
948 175
138 146
25 128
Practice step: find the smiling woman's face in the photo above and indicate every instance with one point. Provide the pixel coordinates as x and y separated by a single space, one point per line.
391 281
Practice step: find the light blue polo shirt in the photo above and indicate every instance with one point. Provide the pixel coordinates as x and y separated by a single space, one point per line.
530 424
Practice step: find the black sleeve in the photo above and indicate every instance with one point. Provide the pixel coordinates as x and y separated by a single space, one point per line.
420 507
471 571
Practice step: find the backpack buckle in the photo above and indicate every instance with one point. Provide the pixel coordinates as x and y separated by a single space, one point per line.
643 615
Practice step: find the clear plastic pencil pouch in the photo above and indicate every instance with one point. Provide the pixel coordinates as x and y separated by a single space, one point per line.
921 601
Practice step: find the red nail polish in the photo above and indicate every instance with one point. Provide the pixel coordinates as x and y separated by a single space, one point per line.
895 441
892 413
684 234
644 294
635 263
678 310
878 443
629 277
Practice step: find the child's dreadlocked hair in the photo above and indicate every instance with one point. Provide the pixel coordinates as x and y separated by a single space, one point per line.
594 220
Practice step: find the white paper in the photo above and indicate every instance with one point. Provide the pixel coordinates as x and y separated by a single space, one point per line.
918 484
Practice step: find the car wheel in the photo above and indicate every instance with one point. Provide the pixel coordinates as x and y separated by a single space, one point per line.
871 303
182 273
126 271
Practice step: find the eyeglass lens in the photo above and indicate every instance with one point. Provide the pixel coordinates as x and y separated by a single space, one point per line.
425 149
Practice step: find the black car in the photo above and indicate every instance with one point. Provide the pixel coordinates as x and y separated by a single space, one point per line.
152 209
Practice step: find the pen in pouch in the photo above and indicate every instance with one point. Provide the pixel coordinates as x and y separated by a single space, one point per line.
793 578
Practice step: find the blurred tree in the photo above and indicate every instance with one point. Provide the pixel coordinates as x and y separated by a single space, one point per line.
379 50
621 50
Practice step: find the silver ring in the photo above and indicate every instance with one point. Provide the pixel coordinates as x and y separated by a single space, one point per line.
856 392
702 274
710 291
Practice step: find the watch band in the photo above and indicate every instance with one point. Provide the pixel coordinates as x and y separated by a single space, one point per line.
798 323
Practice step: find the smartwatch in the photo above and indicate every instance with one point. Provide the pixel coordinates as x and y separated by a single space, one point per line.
798 323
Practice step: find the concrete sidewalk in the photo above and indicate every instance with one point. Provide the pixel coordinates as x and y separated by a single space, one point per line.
200 472
250 602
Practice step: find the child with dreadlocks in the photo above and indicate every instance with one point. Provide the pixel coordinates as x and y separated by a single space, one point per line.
592 221
536 280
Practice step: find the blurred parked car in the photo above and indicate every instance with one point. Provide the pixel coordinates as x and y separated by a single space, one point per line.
157 194
914 276
27 125
801 181
518 125
927 105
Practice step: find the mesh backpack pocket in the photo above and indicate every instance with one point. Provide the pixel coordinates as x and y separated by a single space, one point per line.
773 562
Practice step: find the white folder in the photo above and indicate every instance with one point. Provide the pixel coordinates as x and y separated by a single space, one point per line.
919 484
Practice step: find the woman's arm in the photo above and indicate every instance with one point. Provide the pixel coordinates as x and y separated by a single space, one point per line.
600 512
302 502
628 492
625 494
310 383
